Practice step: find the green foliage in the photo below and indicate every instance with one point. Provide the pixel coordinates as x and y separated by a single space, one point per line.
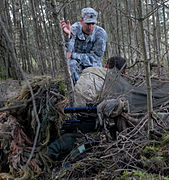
139 175
165 139
2 73
152 148
61 86
94 159
2 78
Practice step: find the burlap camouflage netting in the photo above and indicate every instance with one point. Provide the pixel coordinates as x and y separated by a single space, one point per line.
18 128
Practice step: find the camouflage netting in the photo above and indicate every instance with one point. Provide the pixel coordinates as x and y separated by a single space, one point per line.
115 86
18 128
97 84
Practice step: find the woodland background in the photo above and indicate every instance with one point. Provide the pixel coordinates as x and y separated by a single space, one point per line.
32 43
30 33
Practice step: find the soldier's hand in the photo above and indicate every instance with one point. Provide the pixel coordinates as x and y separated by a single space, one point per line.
69 55
66 27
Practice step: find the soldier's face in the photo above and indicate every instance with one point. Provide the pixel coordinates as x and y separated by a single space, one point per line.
87 27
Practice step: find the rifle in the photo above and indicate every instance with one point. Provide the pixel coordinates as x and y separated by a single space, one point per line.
87 109
85 122
85 119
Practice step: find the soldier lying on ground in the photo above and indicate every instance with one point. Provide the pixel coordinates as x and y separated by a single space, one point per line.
92 121
89 86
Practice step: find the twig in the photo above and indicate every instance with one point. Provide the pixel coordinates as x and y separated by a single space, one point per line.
12 107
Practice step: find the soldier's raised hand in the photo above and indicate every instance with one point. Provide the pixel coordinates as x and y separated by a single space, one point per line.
66 27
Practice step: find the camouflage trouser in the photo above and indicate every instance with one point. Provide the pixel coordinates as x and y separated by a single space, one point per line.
75 69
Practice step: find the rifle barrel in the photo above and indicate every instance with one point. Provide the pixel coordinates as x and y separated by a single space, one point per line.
88 109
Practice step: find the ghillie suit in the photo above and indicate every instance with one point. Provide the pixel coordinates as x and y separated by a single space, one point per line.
18 128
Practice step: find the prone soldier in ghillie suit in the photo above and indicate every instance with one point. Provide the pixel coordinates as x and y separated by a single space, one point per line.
103 116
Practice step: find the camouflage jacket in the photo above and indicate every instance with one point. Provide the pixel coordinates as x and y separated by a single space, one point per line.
87 50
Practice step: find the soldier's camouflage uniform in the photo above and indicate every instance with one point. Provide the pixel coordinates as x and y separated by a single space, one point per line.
87 50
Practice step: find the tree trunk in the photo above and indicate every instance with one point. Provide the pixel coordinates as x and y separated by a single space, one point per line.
130 52
165 34
118 39
62 51
148 34
155 38
158 39
122 34
7 53
147 68
37 33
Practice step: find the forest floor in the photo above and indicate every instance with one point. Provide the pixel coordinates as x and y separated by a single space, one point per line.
9 88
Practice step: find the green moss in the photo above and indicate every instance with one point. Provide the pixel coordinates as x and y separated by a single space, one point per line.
61 86
139 175
151 148
165 139
94 159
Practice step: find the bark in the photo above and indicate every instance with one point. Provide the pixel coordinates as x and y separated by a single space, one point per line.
165 34
73 11
148 34
103 25
129 25
52 38
24 51
146 67
158 39
7 53
62 51
37 33
122 33
91 3
155 38
137 41
118 39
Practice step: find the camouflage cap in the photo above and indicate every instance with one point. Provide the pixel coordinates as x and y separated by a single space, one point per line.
89 15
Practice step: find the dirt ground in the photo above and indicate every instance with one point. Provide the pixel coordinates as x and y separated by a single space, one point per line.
9 88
